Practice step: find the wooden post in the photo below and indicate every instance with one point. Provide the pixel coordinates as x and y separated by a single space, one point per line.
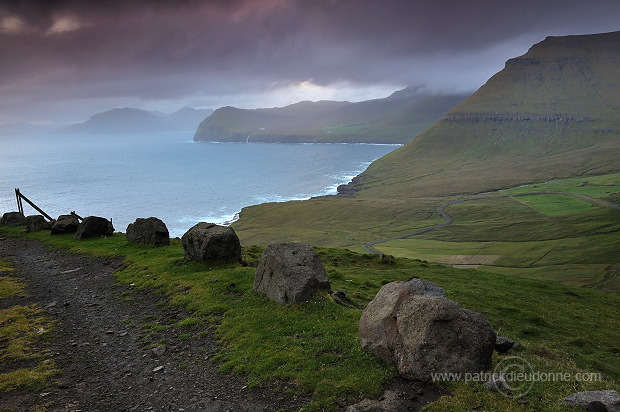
20 206
20 196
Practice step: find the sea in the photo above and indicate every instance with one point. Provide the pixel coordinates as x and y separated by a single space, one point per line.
169 176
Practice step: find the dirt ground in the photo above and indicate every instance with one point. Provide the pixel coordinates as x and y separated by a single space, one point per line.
110 362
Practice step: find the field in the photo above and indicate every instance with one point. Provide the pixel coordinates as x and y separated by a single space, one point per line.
570 239
561 328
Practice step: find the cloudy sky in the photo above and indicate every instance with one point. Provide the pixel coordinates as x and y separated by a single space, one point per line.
64 60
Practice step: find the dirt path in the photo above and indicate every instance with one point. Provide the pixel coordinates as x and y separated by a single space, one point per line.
109 361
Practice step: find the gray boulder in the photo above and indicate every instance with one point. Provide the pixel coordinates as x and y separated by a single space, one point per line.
150 231
599 401
290 273
415 327
207 241
34 223
12 218
94 226
504 344
65 224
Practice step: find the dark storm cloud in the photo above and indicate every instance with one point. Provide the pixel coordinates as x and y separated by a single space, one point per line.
72 50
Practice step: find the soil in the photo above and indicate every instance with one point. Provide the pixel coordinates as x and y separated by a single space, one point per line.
110 359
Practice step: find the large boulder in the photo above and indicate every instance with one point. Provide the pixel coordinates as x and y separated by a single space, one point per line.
599 401
65 224
94 226
12 218
290 273
150 231
207 241
415 327
34 223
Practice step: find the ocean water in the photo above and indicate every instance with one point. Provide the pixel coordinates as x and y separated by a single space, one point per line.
169 176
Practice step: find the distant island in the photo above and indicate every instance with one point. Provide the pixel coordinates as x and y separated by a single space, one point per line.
118 121
128 120
394 119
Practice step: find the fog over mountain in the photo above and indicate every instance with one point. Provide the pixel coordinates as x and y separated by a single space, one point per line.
65 59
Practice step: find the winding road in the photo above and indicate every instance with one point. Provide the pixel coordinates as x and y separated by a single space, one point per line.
448 219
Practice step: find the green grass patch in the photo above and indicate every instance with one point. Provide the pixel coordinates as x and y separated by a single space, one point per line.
555 204
5 266
597 186
31 379
21 331
11 286
315 345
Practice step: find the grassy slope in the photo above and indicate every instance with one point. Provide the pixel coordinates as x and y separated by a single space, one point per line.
561 328
551 113
571 240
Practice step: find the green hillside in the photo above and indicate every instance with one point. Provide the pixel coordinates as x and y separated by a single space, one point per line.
395 119
553 113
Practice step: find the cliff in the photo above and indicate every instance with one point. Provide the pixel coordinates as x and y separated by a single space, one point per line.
395 119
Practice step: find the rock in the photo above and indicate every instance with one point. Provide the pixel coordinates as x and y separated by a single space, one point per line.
94 226
208 241
150 231
497 383
341 298
415 327
389 402
12 218
504 344
159 351
606 401
35 223
65 224
290 273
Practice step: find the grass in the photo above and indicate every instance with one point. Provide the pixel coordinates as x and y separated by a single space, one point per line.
555 205
22 329
315 345
10 286
573 240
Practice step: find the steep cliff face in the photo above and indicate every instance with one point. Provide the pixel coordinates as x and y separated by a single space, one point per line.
553 112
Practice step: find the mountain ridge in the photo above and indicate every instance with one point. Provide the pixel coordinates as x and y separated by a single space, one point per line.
131 120
529 123
395 119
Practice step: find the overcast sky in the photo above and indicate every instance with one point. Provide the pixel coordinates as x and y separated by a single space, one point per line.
64 60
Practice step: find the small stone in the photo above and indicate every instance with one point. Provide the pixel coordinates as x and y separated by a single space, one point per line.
158 368
504 344
64 272
159 351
